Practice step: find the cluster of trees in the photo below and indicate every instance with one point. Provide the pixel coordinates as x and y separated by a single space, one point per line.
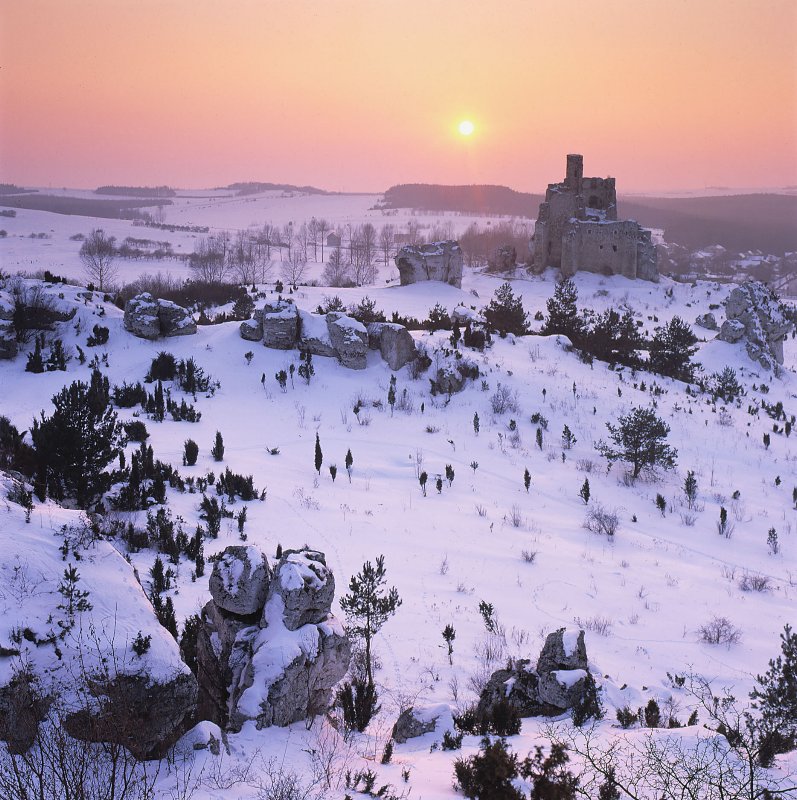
615 338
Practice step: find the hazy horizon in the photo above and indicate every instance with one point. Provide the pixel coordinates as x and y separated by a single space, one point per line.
357 96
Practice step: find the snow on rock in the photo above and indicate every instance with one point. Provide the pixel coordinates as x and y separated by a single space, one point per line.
240 580
105 691
436 261
394 342
418 720
280 321
251 330
562 688
349 337
282 668
563 649
148 318
314 335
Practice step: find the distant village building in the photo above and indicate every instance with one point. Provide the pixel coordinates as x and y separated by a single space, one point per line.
577 229
333 239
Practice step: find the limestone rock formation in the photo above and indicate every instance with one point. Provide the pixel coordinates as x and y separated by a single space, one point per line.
707 321
8 339
279 663
451 374
436 261
148 318
349 338
754 314
280 321
240 580
416 721
23 706
555 685
314 335
394 342
251 330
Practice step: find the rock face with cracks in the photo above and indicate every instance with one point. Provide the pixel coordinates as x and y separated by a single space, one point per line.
755 315
436 261
149 318
277 655
280 324
393 341
8 339
557 683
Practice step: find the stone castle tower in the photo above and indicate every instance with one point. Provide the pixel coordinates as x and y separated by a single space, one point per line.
577 229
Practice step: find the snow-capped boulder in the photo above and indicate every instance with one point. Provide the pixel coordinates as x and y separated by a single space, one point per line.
462 315
251 330
562 688
754 314
174 320
349 337
707 321
314 335
141 316
416 721
280 321
240 580
436 261
563 649
517 686
277 666
306 586
394 342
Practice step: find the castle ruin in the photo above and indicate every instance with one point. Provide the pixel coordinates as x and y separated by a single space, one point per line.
577 229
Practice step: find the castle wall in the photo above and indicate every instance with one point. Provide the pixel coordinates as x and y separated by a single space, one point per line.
600 194
608 248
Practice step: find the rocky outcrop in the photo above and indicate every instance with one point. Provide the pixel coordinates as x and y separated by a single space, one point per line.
707 321
452 374
148 318
557 683
144 715
240 580
756 316
393 341
8 337
23 706
251 330
349 338
314 335
280 323
276 659
436 261
417 721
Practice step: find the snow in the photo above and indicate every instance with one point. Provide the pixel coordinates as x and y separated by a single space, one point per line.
656 583
299 572
569 677
570 642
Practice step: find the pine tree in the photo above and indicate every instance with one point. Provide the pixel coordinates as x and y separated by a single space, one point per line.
639 439
349 463
563 317
568 440
690 489
449 634
476 423
319 456
449 474
422 478
526 479
505 313
671 350
190 452
333 472
217 451
74 600
584 491
368 605
391 394
539 438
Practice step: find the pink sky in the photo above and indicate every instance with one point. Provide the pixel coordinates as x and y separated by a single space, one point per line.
357 95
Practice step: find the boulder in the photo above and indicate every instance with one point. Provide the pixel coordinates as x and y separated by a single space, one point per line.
251 330
174 320
23 706
144 715
314 335
505 258
349 338
707 321
754 314
8 341
396 345
414 722
240 580
518 687
280 664
563 649
280 321
436 261
141 316
462 315
306 586
562 688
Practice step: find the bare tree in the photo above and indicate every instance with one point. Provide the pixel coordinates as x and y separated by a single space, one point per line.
387 237
336 272
323 228
295 267
312 230
98 254
210 261
363 269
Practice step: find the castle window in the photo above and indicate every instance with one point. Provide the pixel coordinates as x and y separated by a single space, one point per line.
614 247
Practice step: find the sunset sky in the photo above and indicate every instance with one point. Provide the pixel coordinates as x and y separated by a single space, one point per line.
357 95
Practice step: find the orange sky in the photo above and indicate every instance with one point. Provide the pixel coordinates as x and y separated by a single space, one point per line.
362 94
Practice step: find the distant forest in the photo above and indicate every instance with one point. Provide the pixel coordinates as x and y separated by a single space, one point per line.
766 222
137 191
255 187
12 188
81 206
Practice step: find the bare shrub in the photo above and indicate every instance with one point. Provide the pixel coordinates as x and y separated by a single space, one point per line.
719 630
597 624
688 519
478 679
503 400
753 582
515 516
585 465
528 556
481 510
601 520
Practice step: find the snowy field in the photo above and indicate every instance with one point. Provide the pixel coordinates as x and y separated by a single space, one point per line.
641 596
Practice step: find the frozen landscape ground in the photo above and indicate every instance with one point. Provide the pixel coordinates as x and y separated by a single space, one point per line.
641 595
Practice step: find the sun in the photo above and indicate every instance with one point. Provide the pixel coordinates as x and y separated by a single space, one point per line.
466 127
